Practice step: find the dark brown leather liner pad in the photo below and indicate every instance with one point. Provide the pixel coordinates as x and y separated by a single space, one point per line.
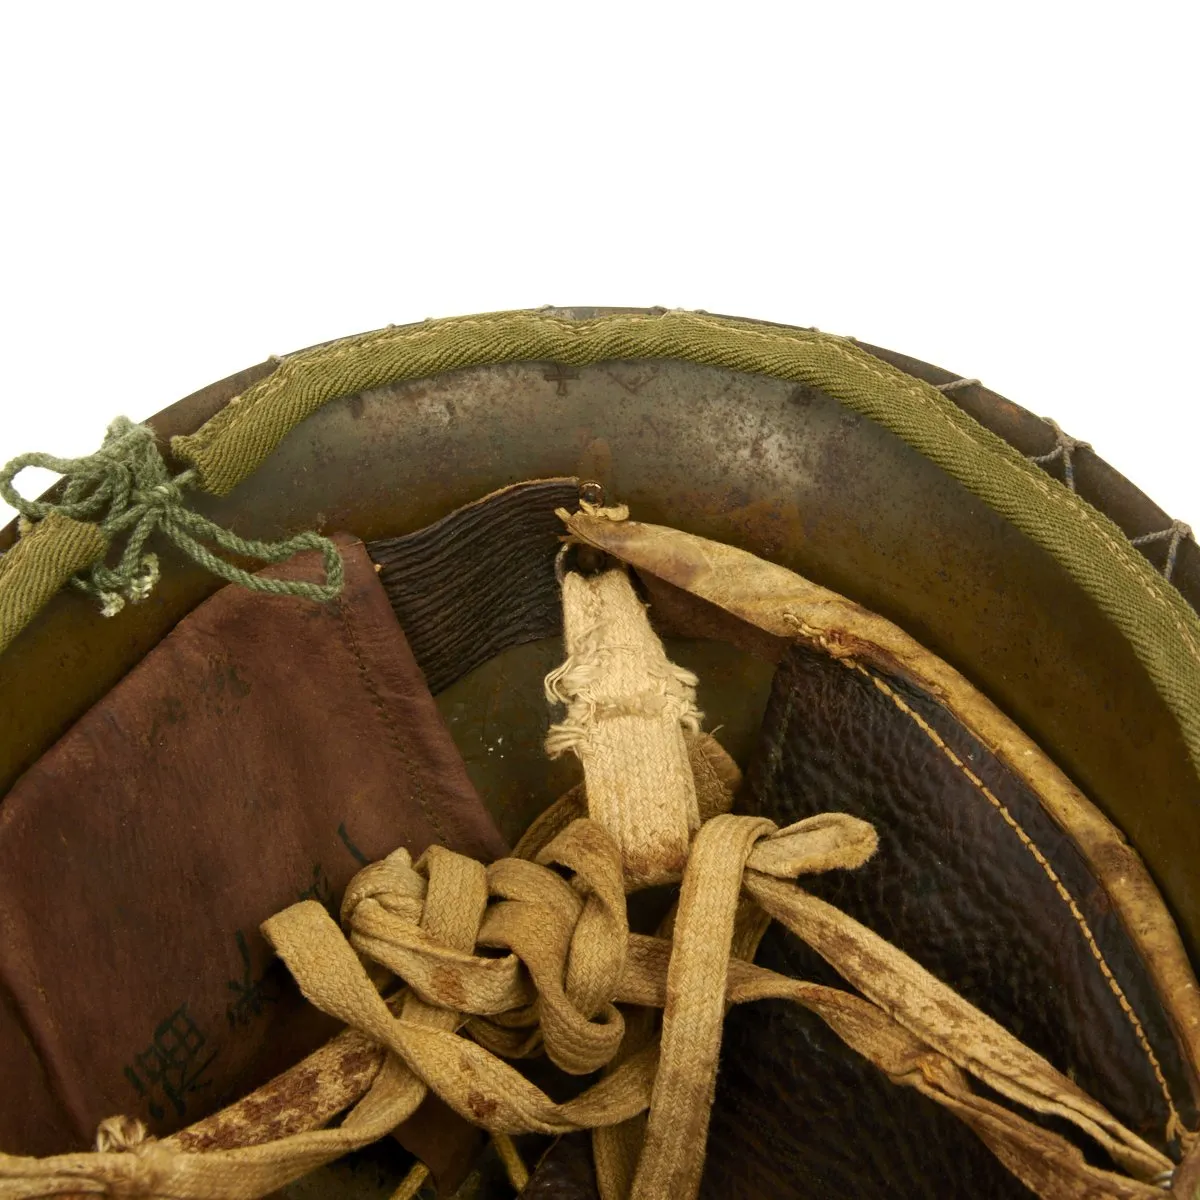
262 752
565 1172
953 885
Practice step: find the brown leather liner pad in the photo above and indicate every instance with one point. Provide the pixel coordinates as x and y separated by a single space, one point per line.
261 753
955 885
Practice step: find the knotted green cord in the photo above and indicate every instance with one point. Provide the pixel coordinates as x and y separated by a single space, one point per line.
126 488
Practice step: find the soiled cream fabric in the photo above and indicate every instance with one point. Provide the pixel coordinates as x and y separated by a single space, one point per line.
628 708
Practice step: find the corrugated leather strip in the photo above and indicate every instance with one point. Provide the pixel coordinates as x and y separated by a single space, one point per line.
480 580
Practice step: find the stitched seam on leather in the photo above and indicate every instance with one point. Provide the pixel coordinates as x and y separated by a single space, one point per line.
389 724
1174 1121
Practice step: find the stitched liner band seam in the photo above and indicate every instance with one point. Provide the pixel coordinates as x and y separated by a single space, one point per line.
1175 1123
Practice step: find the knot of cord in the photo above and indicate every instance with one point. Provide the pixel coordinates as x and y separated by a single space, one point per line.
126 488
120 1133
1175 533
528 960
1064 447
531 955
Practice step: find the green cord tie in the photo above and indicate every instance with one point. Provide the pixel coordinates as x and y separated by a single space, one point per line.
126 488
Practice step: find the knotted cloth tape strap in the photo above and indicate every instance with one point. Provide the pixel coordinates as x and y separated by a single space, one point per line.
525 953
907 1023
125 489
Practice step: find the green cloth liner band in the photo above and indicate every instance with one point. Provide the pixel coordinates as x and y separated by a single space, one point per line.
1149 611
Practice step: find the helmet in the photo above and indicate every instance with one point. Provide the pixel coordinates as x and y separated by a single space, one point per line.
681 608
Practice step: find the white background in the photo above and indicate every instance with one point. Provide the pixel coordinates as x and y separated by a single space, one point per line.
1006 190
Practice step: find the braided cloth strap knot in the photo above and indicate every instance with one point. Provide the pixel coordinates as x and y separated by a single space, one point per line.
563 943
565 959
125 488
534 953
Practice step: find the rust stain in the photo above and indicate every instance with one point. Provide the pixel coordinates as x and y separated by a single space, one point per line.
481 1106
273 1111
303 1098
448 987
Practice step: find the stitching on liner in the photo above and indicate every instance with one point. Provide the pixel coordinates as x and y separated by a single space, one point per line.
1175 1125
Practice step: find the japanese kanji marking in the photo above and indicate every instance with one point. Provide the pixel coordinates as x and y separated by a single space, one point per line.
172 1067
320 890
358 855
253 993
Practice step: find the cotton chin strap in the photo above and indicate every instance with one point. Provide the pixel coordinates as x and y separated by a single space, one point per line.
533 953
